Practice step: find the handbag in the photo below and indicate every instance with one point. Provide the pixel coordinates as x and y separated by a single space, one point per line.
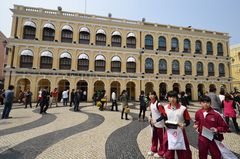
103 100
127 110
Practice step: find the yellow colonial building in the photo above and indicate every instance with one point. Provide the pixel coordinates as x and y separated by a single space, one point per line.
54 48
235 55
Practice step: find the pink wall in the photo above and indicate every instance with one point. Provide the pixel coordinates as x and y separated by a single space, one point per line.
3 57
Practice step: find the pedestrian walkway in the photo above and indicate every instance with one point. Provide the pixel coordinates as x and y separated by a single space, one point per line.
90 133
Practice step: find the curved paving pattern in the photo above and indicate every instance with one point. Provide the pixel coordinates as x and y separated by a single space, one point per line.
32 148
9 141
122 143
20 117
90 144
39 122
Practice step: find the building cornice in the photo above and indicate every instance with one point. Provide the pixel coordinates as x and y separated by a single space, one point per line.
72 17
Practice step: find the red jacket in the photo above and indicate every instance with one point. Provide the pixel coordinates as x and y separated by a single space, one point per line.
212 119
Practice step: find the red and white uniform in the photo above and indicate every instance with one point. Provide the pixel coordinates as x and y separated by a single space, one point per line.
177 114
209 119
158 128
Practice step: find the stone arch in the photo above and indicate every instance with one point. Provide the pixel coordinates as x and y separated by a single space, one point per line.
162 90
176 87
82 85
131 89
149 87
115 86
62 85
188 90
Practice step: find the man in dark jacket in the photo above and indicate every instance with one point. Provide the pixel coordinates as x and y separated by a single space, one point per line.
143 106
72 97
8 95
28 98
44 101
77 99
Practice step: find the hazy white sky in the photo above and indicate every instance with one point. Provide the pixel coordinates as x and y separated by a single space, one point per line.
215 15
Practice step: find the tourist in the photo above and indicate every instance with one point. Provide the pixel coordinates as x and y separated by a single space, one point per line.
77 99
215 101
125 107
65 97
72 97
54 96
229 107
28 98
143 106
8 95
114 101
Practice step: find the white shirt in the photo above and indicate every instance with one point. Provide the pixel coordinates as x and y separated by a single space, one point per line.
175 115
113 96
65 94
156 114
40 93
221 97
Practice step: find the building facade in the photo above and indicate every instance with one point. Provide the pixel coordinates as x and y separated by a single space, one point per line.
235 55
3 57
54 48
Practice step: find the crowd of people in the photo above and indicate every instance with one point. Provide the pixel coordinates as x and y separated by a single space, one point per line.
167 121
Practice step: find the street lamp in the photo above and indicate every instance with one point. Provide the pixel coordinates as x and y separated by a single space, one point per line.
140 54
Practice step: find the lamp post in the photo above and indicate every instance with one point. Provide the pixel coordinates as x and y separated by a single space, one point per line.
231 60
140 54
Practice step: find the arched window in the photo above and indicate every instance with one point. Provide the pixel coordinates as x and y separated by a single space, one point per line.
46 60
221 69
100 63
188 68
26 59
187 46
84 35
198 47
199 68
101 37
48 32
29 30
67 34
116 39
210 69
116 64
174 44
65 61
209 48
131 65
175 67
219 49
162 43
131 40
149 42
149 65
162 66
83 62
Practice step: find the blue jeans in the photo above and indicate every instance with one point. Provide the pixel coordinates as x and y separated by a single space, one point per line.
6 110
65 100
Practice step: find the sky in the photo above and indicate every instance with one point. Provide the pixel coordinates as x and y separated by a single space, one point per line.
213 15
